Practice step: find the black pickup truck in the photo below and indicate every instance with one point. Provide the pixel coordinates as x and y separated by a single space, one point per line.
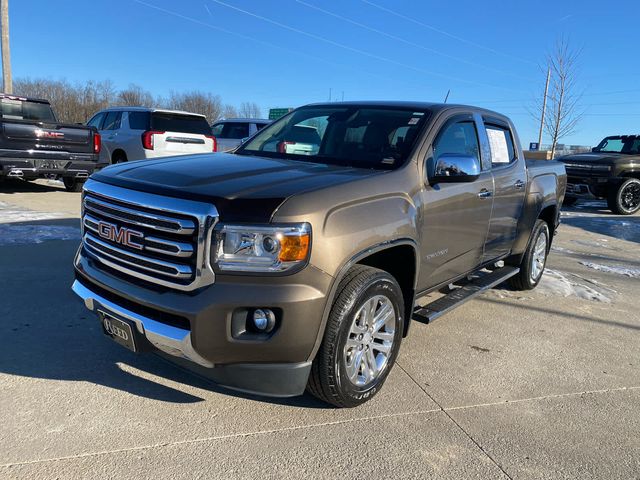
611 171
33 144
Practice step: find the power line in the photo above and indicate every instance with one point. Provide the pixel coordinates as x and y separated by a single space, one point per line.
347 47
443 32
408 42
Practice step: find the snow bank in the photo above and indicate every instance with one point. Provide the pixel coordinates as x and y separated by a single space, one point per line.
628 272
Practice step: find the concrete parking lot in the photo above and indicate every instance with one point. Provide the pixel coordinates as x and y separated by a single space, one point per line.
540 384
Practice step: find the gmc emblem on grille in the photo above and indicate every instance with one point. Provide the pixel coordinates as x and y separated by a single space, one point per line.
121 235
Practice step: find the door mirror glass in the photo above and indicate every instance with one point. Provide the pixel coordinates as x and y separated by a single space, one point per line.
454 167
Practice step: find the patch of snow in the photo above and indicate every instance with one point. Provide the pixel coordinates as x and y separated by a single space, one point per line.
12 214
562 250
555 283
29 234
627 272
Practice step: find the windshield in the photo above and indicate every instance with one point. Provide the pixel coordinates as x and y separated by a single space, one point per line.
629 144
179 123
364 137
25 110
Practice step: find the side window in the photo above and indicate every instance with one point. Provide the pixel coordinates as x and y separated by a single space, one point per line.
501 145
238 130
216 130
457 138
112 121
96 121
139 120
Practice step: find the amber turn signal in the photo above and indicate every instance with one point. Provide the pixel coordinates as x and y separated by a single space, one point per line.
293 248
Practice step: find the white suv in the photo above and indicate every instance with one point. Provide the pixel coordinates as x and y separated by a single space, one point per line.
136 133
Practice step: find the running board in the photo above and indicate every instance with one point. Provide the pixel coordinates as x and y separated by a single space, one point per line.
439 307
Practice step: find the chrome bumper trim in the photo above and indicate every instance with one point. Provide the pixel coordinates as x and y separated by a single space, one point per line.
171 340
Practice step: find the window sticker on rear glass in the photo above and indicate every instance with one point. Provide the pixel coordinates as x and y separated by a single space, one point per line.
413 121
498 145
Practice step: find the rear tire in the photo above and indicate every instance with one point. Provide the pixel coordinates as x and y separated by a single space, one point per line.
361 339
534 259
72 185
119 157
625 199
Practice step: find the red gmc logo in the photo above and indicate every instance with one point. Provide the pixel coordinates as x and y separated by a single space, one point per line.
46 134
121 235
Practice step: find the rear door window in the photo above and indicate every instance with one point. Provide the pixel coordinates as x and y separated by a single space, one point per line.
231 130
112 121
501 144
175 122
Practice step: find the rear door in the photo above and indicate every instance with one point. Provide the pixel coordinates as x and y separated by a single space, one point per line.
109 132
455 216
181 134
510 182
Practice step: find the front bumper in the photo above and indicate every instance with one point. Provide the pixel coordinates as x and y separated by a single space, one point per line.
588 187
275 364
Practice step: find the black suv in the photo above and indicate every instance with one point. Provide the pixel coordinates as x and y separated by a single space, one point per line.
611 171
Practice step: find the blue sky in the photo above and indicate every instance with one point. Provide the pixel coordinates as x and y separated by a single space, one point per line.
291 52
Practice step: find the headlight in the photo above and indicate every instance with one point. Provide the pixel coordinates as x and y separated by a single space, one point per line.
261 249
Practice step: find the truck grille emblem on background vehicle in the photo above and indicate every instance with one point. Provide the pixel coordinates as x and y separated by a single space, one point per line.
121 235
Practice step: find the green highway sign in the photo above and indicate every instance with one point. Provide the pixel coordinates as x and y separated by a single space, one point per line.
276 113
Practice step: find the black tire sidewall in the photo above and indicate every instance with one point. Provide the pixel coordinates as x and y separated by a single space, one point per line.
540 228
618 208
381 284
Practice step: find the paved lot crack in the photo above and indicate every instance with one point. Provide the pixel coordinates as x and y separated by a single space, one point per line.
466 434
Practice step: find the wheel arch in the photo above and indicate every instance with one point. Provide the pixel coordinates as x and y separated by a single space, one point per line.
117 153
394 255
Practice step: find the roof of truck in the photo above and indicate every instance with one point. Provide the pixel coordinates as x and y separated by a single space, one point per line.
24 99
149 109
433 106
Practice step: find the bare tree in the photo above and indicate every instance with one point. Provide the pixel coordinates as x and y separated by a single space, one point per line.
7 84
135 96
563 112
250 110
229 111
204 103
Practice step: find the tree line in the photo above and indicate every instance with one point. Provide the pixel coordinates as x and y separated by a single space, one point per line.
76 103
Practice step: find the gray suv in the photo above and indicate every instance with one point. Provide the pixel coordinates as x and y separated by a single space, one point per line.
230 133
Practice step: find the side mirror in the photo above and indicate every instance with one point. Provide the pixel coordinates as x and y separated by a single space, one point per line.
453 167
243 140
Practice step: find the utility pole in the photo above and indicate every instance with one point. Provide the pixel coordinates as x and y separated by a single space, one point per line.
544 108
7 83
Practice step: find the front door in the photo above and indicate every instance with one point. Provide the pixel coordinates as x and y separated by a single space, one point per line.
455 216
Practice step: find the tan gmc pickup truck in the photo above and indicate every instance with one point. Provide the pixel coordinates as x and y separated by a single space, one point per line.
295 262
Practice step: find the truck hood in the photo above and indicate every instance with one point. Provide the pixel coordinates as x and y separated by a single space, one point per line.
597 157
243 188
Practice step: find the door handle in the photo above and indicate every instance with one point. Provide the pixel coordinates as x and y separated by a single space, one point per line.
519 185
484 193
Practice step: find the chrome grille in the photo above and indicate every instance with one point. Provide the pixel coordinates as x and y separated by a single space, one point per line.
171 236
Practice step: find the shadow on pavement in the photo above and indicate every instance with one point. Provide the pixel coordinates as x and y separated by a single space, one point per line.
563 314
46 332
600 220
13 185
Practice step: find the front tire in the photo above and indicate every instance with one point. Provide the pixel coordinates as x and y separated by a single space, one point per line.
361 340
72 185
534 259
625 200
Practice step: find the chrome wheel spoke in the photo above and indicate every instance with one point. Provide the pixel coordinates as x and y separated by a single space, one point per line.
370 340
384 336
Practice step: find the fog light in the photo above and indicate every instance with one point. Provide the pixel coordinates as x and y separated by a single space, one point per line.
264 320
